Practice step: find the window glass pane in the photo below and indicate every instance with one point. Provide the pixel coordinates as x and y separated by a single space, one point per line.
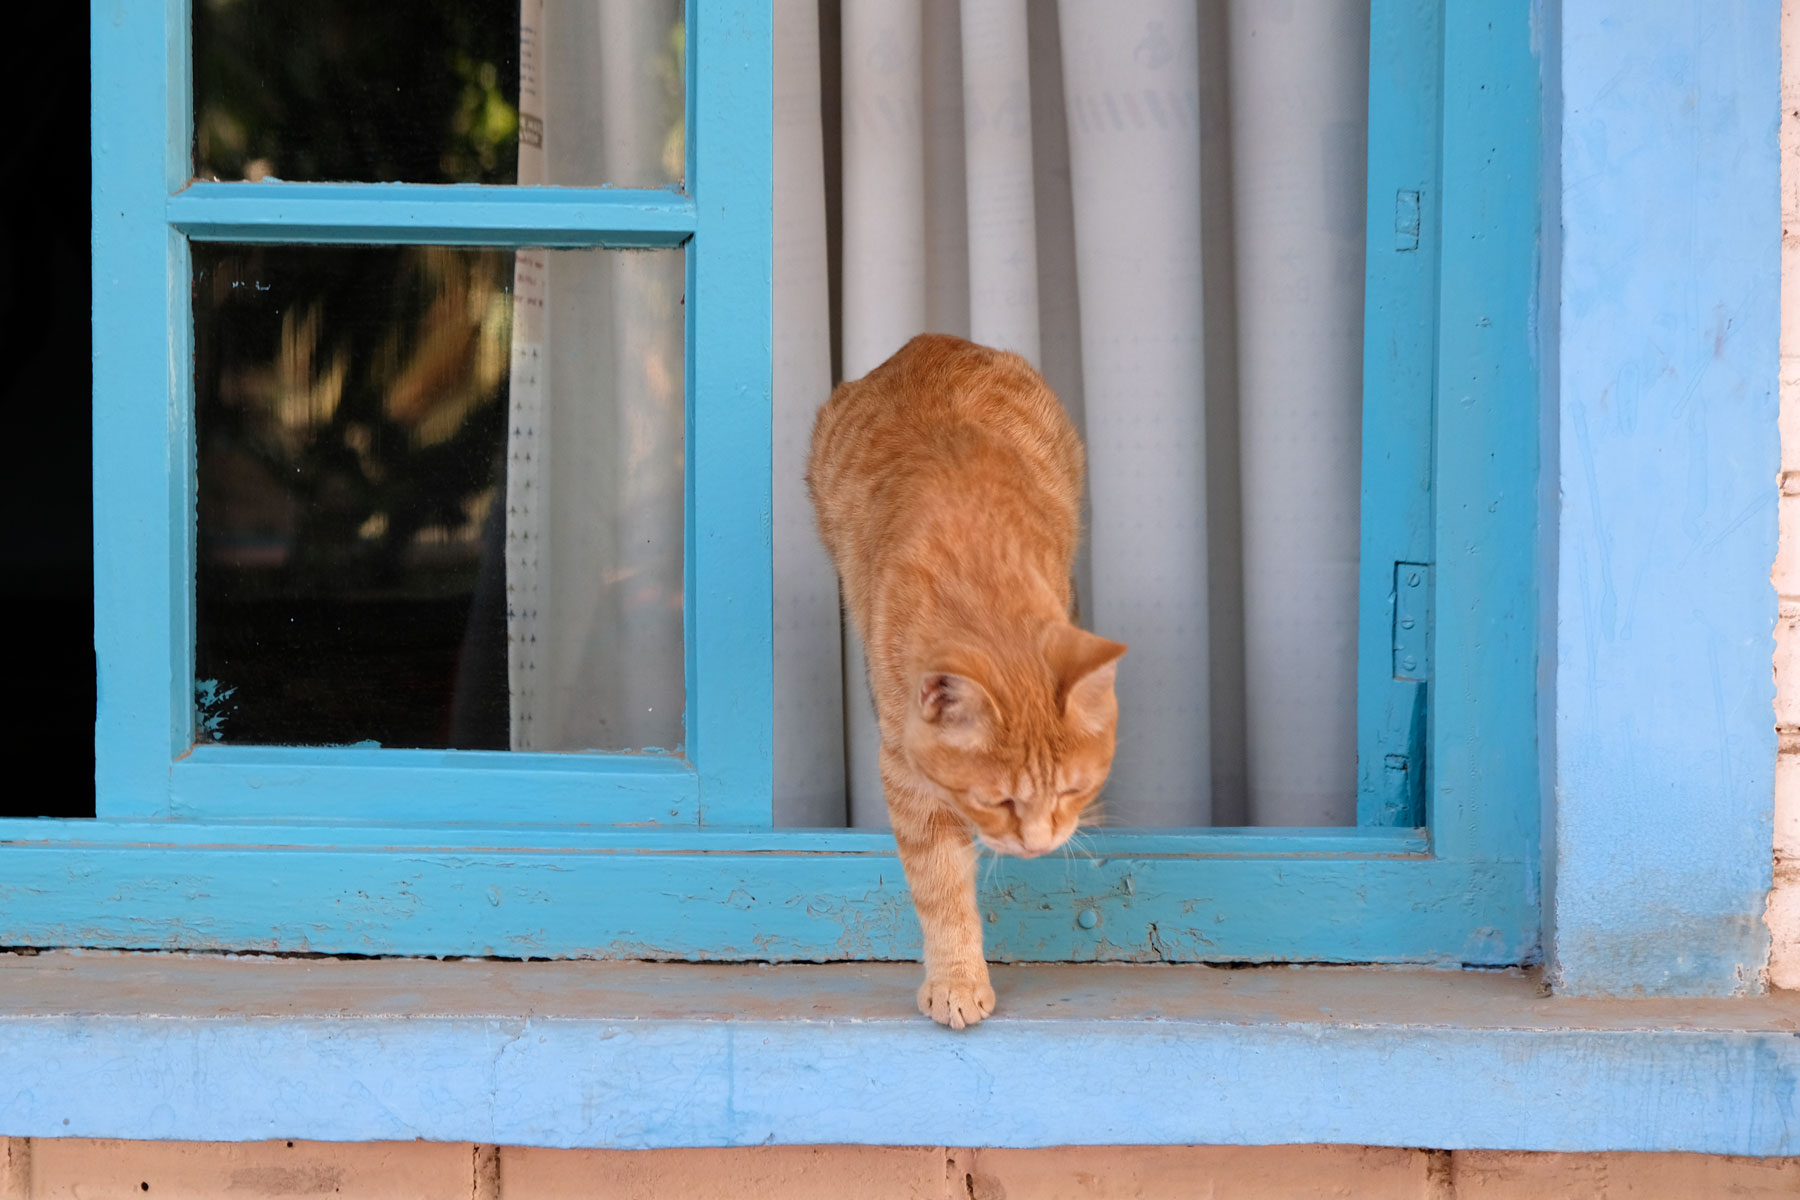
440 497
439 91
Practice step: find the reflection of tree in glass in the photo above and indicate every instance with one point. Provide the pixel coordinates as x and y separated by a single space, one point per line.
351 420
351 402
671 67
419 91
351 405
352 384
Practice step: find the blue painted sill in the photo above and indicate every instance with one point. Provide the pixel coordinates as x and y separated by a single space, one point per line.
649 1054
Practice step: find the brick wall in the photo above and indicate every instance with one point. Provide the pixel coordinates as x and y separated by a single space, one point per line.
382 1170
1784 900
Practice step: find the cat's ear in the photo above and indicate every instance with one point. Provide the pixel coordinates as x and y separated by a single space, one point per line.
1086 666
953 701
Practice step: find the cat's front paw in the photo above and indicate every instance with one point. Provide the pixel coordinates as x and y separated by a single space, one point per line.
958 998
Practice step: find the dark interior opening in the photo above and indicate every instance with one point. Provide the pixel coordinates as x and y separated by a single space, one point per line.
47 553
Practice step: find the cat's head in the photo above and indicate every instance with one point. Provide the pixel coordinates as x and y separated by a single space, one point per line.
1018 744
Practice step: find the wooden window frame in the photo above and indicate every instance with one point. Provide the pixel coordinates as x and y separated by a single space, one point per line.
369 851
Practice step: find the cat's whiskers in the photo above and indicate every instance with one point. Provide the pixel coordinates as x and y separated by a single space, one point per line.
989 870
1078 843
1068 862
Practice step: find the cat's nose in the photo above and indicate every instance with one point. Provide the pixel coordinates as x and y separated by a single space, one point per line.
1036 838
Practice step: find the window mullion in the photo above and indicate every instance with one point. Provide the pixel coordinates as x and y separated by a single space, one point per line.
390 213
1399 340
729 584
1482 745
143 529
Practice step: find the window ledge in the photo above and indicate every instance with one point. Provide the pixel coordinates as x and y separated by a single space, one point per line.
208 1048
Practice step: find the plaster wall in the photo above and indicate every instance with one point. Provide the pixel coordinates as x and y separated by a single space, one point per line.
66 1168
1667 342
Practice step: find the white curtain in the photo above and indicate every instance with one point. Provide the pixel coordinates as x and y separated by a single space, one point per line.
1299 103
1131 82
1160 202
527 422
595 447
809 680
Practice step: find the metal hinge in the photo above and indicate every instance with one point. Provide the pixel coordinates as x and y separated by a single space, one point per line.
1403 770
1412 621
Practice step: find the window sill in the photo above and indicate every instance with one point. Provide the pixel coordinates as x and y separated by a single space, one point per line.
208 1048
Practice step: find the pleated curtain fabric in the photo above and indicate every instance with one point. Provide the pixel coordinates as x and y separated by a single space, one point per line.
1299 104
1160 203
1131 88
527 422
594 481
811 700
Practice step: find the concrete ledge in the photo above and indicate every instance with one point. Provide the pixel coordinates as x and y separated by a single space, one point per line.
640 1054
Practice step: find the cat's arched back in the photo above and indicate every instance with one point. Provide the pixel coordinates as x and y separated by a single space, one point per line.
943 421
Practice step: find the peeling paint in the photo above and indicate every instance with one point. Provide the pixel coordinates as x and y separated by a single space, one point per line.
569 902
211 709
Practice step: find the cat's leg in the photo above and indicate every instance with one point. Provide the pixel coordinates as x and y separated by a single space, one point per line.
939 860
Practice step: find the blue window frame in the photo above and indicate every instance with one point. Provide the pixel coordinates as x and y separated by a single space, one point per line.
448 852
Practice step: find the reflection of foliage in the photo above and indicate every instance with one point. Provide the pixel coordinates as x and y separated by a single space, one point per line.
351 401
352 405
670 67
414 90
485 124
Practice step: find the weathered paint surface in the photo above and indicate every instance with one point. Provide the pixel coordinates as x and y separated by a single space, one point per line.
779 895
1664 744
1400 310
637 1055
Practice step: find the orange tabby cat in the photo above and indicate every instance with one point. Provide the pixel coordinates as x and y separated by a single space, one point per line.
947 483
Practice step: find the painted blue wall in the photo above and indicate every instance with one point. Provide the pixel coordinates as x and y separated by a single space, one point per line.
641 1055
1664 742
